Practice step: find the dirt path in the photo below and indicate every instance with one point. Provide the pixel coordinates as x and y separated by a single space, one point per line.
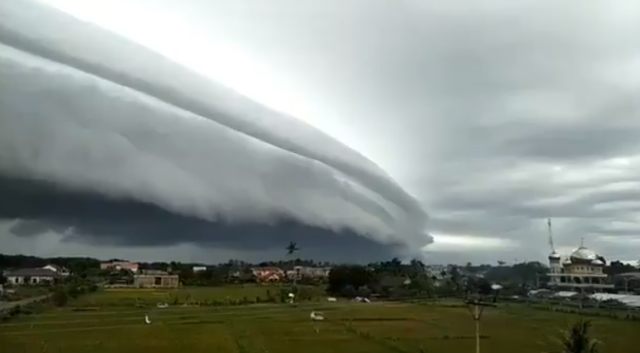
5 306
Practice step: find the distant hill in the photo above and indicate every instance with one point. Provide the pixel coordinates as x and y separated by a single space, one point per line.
74 264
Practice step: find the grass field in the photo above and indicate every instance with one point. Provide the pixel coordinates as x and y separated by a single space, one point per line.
188 295
349 327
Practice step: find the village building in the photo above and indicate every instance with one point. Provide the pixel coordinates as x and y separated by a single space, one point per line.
628 282
31 276
119 265
155 279
581 271
268 274
309 272
197 269
62 271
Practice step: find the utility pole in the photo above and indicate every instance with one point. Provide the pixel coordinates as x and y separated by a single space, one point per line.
476 317
476 308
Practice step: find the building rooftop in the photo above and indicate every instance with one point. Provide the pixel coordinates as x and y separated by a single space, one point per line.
31 272
630 275
582 253
153 273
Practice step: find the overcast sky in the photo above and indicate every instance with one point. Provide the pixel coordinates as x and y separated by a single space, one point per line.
493 116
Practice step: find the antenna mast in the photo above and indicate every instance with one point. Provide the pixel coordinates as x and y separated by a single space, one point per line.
553 249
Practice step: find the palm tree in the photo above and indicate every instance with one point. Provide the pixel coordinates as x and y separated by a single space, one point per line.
577 340
292 248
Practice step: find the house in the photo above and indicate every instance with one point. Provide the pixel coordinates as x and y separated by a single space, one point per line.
241 276
119 265
31 276
155 279
268 274
309 272
197 269
57 269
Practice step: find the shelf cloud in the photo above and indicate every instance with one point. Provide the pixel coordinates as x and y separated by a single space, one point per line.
106 142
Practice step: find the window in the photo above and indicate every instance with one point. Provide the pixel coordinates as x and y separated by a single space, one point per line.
158 281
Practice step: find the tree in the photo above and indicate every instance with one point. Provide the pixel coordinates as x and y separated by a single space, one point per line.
415 269
364 291
618 267
577 339
421 285
456 280
354 276
292 248
348 291
478 286
59 297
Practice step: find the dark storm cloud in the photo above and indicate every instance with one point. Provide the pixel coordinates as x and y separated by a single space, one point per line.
140 151
95 219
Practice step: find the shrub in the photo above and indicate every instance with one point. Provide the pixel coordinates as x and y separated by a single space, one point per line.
59 297
348 291
577 339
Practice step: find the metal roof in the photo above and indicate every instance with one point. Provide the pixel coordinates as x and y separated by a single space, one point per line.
629 275
583 253
31 272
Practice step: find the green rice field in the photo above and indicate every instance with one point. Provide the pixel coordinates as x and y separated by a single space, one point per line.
107 322
189 295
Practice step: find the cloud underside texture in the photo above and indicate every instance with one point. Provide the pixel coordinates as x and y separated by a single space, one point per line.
107 142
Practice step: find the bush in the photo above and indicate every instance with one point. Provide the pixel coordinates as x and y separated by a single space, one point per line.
364 291
354 276
304 293
284 294
15 310
59 297
578 340
348 291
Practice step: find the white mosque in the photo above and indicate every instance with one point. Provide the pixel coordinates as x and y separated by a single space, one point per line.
581 271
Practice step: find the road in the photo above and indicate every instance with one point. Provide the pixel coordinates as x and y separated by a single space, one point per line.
4 306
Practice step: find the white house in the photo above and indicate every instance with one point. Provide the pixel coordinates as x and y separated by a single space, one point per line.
308 272
31 276
57 269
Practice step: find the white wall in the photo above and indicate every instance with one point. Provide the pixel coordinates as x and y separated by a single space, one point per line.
32 280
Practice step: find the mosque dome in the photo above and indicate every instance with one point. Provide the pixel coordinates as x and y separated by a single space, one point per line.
583 254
